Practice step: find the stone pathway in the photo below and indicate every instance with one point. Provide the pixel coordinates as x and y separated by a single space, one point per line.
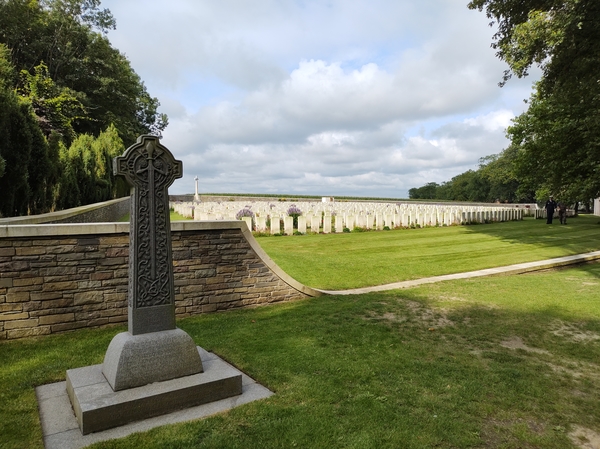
510 269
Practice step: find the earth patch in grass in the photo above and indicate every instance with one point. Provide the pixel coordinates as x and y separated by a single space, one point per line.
457 364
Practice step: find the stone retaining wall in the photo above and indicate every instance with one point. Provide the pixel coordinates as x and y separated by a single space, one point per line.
55 278
109 211
104 212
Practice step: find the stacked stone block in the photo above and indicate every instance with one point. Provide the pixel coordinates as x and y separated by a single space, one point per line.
219 270
52 283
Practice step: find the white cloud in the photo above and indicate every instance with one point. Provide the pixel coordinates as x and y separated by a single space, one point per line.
493 121
320 97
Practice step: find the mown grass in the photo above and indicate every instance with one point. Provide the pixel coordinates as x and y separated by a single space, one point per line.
354 260
502 362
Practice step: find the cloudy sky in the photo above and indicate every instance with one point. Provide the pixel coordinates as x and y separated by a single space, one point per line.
320 97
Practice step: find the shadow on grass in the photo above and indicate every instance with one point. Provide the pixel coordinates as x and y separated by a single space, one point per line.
580 235
420 368
395 370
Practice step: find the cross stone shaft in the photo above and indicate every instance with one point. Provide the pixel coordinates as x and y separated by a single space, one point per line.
150 169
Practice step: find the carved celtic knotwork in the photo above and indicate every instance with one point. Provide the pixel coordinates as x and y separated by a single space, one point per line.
150 168
146 162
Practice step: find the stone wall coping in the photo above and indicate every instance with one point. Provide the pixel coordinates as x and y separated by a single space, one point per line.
61 229
56 230
272 265
58 215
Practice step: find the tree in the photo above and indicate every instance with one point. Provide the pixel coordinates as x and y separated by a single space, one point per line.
69 99
496 179
15 144
469 186
541 32
557 140
558 144
15 150
50 30
114 94
86 169
426 192
56 108
505 185
6 71
69 36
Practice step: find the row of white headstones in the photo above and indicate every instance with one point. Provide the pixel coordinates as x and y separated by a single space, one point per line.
273 217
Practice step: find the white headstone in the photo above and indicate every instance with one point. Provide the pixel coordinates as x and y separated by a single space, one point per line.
302 224
327 224
288 225
275 225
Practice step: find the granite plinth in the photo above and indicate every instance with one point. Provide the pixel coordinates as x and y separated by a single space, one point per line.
98 407
61 431
136 360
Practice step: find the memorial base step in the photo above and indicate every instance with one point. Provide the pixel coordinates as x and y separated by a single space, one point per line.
98 407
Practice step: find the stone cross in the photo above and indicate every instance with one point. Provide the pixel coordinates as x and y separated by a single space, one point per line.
196 197
150 169
154 368
153 350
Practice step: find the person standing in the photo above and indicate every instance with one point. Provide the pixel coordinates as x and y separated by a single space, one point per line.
562 212
550 206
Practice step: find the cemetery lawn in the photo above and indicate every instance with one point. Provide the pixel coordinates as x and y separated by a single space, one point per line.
362 259
501 362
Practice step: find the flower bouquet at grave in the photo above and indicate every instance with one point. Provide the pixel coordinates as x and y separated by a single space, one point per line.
294 211
245 212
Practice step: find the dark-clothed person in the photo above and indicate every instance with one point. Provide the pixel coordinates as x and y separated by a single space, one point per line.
550 206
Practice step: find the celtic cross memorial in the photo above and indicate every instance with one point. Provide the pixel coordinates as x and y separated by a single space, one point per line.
150 169
154 349
154 368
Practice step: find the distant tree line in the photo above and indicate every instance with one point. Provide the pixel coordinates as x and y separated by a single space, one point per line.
494 180
69 102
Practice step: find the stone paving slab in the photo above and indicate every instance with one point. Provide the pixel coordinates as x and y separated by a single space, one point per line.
509 269
61 431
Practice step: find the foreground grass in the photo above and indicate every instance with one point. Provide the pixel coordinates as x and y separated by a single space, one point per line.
353 260
502 362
